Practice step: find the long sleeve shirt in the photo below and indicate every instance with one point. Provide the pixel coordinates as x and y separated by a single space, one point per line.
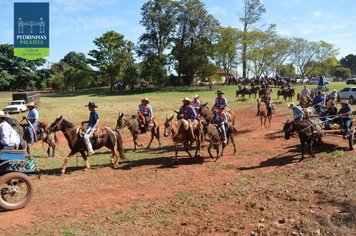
220 118
8 136
220 102
145 110
187 113
297 112
35 115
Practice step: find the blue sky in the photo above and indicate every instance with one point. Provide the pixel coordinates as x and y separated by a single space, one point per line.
74 24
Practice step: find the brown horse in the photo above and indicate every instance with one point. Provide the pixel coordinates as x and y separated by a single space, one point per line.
208 114
182 134
264 114
133 124
216 138
304 101
42 133
108 138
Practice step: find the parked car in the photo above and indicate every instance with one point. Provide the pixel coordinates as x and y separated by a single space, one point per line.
315 80
348 93
16 106
351 81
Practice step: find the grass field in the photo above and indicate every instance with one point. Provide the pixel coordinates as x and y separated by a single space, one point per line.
263 189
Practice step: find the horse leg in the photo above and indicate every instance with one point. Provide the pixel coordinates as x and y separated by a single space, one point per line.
157 136
152 137
85 157
233 142
176 154
64 166
310 148
209 151
186 149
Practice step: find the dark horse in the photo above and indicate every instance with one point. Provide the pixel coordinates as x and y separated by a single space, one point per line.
133 125
208 114
307 132
105 137
216 138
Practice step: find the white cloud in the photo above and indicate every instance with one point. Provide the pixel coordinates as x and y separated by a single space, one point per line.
318 13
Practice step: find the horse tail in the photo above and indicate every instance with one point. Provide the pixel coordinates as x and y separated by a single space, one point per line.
119 144
234 130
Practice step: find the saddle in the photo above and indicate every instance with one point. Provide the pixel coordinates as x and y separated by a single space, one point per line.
98 133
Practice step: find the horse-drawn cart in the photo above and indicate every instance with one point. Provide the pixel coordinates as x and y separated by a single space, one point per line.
339 133
16 189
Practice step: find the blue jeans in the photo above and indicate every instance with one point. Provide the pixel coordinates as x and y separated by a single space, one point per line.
346 123
222 126
31 134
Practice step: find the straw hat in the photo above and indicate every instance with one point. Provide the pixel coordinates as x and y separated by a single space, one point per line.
196 96
146 99
186 99
31 104
91 104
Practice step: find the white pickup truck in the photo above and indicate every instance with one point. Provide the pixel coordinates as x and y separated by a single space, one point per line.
348 93
16 106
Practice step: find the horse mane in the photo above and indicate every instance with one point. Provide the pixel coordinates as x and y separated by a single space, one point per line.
67 123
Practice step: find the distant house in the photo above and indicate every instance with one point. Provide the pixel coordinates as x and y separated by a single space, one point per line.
221 74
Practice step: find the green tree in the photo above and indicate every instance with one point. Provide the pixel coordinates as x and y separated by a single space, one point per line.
303 53
287 70
349 62
252 15
111 56
226 47
193 39
342 72
17 72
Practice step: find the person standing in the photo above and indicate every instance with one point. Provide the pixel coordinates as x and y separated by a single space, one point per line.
32 119
91 127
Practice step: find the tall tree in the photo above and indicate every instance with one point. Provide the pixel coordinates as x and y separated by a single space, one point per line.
193 39
226 47
111 56
252 15
303 55
349 62
159 20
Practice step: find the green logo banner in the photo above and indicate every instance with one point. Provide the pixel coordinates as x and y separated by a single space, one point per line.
31 30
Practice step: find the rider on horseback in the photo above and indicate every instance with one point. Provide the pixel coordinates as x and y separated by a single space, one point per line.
196 103
266 98
92 126
219 100
220 119
145 113
345 117
32 119
187 114
298 113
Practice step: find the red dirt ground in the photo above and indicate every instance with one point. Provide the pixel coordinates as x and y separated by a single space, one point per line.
262 190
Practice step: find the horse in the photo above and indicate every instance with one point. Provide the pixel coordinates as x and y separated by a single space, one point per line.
264 114
105 137
182 134
288 94
208 114
133 124
42 133
215 138
308 132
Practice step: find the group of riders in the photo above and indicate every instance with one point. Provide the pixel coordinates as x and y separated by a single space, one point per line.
325 106
188 113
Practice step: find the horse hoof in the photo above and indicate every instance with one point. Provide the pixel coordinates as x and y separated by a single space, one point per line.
87 169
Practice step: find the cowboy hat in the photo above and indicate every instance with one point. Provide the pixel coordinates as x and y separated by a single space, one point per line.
186 99
196 96
219 92
146 99
91 104
31 104
291 105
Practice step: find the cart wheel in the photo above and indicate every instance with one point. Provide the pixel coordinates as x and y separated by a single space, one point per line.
352 140
16 191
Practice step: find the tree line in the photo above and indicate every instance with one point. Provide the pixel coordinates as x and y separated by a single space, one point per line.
181 41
